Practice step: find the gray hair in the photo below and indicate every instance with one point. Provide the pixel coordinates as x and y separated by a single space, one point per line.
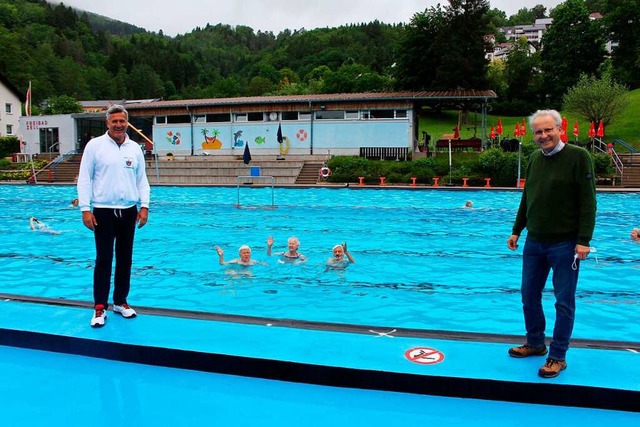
243 247
117 108
553 113
294 238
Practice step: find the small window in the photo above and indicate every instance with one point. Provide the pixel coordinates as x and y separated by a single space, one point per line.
9 129
183 118
240 117
8 108
289 115
304 116
218 118
199 118
256 117
401 114
330 115
352 114
160 120
382 114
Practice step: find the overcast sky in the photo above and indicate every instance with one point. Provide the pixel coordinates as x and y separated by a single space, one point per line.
180 17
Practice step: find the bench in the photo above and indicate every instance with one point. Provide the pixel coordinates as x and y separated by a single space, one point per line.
475 144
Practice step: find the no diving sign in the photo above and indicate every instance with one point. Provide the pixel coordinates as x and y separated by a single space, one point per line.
424 355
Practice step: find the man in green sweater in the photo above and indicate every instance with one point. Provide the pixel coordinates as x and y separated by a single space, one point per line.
558 208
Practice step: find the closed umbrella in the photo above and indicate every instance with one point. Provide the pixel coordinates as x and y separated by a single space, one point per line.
523 128
246 156
493 132
563 132
499 127
592 130
516 132
456 133
576 132
600 133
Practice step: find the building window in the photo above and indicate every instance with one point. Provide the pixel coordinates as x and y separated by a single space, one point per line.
160 120
352 115
8 108
182 118
401 114
9 129
304 115
330 115
289 115
218 118
240 117
199 118
256 117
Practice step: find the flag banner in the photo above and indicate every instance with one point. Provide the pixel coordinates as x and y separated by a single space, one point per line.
27 104
246 157
279 134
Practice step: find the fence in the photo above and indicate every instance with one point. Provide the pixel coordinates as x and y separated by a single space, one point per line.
384 153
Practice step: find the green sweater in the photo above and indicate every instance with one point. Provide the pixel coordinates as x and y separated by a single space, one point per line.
559 199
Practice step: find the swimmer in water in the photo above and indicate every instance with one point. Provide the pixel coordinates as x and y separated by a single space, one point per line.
341 258
468 204
244 260
37 225
292 255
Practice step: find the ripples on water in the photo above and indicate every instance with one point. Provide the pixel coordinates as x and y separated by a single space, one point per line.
421 260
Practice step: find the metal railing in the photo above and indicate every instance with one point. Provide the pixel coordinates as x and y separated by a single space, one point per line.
601 147
384 153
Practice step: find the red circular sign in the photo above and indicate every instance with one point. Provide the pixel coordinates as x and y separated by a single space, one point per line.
424 355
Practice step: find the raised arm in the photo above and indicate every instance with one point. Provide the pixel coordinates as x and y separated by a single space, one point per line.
348 255
269 244
220 255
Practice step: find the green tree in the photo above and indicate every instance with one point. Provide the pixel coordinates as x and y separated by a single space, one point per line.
622 20
62 104
596 99
420 52
572 45
463 63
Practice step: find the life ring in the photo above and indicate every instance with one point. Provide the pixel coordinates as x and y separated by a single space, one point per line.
325 172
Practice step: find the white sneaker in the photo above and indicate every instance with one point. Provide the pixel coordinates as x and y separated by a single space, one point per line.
99 316
125 310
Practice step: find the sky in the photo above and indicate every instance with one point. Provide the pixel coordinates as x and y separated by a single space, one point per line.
180 17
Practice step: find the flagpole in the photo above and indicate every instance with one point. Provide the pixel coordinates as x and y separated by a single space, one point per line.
449 161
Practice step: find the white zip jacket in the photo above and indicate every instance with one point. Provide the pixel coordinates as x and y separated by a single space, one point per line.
112 176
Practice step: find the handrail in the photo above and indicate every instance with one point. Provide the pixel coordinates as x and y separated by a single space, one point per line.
630 148
600 146
256 177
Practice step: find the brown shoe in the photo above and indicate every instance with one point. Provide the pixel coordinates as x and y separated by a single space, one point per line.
552 368
527 350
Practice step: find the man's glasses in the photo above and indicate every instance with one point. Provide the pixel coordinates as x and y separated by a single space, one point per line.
541 131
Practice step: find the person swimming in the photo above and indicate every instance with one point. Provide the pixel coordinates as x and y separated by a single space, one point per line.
37 225
245 257
74 203
468 204
341 258
291 255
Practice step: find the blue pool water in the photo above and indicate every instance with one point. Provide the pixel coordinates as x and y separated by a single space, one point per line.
422 261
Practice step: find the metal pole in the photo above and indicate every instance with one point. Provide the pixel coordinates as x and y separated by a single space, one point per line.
449 161
519 155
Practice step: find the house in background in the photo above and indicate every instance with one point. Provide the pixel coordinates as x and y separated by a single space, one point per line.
10 108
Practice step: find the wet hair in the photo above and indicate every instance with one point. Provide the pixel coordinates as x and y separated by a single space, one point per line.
117 108
553 113
243 247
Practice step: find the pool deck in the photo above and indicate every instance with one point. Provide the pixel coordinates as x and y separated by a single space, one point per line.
600 374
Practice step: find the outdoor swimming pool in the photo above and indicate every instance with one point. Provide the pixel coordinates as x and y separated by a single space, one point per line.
422 261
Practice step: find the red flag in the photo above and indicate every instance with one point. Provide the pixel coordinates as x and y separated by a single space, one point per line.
499 127
600 132
563 131
516 132
592 130
523 128
493 132
576 132
27 104
456 133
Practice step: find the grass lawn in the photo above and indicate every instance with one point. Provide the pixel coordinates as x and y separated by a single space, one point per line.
626 126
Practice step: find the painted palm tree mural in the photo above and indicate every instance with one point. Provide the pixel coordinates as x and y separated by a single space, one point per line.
211 142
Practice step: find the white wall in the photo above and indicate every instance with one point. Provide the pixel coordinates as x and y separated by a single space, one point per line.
7 97
30 132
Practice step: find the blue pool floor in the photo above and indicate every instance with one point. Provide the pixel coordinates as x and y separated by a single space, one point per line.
72 389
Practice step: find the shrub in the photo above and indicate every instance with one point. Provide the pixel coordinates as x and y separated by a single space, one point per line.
9 145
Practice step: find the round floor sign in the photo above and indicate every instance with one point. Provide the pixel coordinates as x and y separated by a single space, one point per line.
424 355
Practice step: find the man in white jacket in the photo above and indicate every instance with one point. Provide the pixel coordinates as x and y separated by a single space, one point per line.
113 181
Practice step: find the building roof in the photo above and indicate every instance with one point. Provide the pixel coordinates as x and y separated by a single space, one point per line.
454 95
21 96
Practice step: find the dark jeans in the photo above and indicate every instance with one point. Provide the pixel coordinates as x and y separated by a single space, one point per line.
538 259
113 225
